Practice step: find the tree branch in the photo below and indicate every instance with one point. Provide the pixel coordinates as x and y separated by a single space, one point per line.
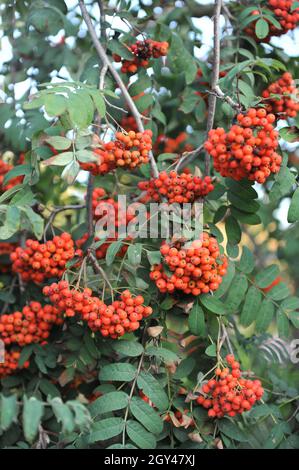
105 60
215 76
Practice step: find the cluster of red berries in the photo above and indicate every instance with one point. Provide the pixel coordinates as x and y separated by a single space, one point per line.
128 150
165 144
6 248
197 269
143 52
247 150
112 320
287 16
227 393
287 104
39 261
11 364
31 325
128 123
115 216
177 188
5 168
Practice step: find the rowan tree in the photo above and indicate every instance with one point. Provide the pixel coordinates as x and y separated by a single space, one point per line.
149 342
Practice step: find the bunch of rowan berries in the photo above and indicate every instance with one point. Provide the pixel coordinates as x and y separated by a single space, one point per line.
143 52
179 144
123 315
39 261
177 188
285 14
31 325
128 123
128 150
227 393
287 104
4 169
197 268
11 364
247 150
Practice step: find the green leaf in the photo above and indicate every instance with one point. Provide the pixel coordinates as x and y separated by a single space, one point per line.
289 134
245 217
33 411
120 49
261 28
147 416
264 316
241 204
283 324
251 306
35 220
279 292
55 105
185 368
63 415
134 254
293 212
109 402
211 350
59 143
11 223
232 430
128 348
233 230
236 293
246 263
213 304
226 281
79 110
142 438
180 60
294 318
105 429
153 390
292 303
196 320
122 372
267 276
98 102
112 251
8 411
154 257
17 171
165 354
61 159
10 192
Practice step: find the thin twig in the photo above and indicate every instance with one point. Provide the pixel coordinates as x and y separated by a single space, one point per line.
99 270
215 76
105 60
57 210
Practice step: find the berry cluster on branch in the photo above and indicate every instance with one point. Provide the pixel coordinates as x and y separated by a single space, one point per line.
128 150
4 169
32 324
227 393
284 13
176 188
39 261
248 149
287 103
123 315
197 269
11 364
142 51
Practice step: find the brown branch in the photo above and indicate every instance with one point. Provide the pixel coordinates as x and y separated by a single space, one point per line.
57 210
105 60
215 76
